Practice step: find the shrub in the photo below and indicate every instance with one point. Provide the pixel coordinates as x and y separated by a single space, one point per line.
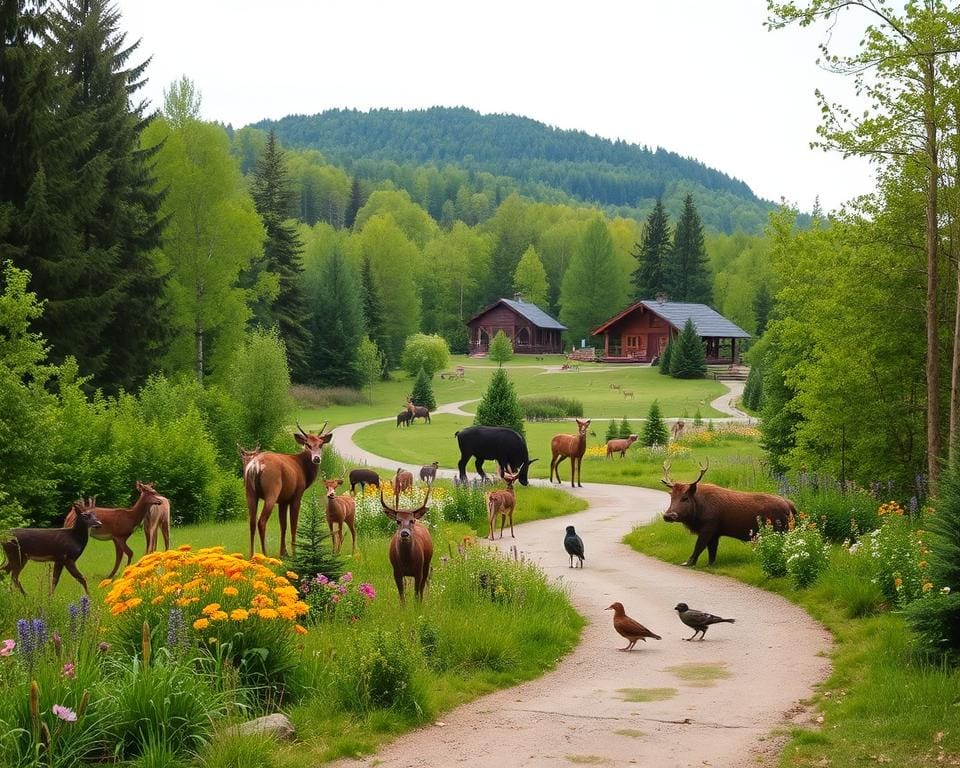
768 544
843 513
688 360
805 553
422 391
259 380
896 552
499 406
427 351
314 553
613 432
654 430
379 671
324 397
546 407
336 599
468 505
501 348
625 430
697 419
665 358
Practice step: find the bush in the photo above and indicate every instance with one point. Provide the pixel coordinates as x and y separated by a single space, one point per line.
379 671
501 349
336 599
547 407
324 397
468 505
314 553
625 430
896 552
805 553
768 544
613 432
654 430
843 514
259 380
666 357
499 406
429 352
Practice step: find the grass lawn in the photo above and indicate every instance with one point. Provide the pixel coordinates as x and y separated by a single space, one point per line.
881 704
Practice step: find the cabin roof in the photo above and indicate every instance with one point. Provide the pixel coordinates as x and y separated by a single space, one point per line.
707 322
525 309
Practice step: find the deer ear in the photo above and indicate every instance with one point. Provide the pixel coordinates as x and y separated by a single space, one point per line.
327 437
299 438
692 489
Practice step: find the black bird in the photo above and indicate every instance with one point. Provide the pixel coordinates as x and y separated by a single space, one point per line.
699 620
574 545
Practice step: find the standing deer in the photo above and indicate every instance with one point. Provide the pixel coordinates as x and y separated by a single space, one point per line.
363 478
677 429
503 502
620 445
158 516
402 481
340 510
411 547
281 479
569 447
417 411
428 473
61 546
117 524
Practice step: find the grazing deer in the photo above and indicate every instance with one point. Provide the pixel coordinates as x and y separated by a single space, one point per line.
61 546
503 502
363 478
117 524
418 411
677 429
620 446
340 510
627 393
569 447
280 479
614 386
158 516
411 547
428 474
402 481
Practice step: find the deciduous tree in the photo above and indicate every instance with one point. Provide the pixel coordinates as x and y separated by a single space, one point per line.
590 291
530 279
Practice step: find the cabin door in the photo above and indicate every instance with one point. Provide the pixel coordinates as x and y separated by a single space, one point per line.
635 346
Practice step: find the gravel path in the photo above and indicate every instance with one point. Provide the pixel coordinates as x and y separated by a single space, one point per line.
591 708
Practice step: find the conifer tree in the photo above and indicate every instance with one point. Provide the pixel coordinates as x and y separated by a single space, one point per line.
666 357
274 196
590 290
654 431
501 349
652 254
530 278
314 554
354 204
689 277
373 311
499 406
613 432
336 324
423 391
762 307
625 428
688 360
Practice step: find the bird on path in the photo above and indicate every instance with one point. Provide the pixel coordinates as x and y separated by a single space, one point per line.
698 620
628 628
574 545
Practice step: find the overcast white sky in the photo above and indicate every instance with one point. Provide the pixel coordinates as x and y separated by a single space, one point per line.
703 78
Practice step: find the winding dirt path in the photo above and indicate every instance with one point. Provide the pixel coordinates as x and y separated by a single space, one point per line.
591 708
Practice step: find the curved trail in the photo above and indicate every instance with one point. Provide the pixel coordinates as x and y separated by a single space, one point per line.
580 711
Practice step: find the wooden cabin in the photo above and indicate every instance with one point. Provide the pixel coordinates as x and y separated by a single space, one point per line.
640 333
531 330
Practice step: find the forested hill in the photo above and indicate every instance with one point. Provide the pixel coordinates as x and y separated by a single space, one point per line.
544 161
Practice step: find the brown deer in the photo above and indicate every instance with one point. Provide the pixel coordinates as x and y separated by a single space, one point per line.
677 429
417 411
280 479
246 456
503 502
60 546
620 446
340 510
402 481
117 524
569 447
411 547
627 393
157 517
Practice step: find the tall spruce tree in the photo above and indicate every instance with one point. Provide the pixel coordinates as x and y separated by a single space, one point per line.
117 226
423 391
336 324
688 270
373 315
654 430
652 254
499 406
664 363
688 360
354 204
274 198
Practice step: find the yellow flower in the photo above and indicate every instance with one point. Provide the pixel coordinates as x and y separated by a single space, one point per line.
923 563
261 601
183 548
133 602
261 586
299 630
118 609
105 583
291 575
210 609
287 612
201 624
239 614
157 600
231 591
927 586
268 613
898 582
218 616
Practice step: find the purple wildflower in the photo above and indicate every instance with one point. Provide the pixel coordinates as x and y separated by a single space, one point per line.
74 610
57 642
23 635
39 631
103 647
69 670
64 713
84 607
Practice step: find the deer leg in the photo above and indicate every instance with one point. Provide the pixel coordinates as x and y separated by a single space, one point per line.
165 529
116 563
579 472
503 520
126 550
397 577
353 535
294 522
262 523
701 544
252 514
57 570
14 570
75 572
282 513
511 527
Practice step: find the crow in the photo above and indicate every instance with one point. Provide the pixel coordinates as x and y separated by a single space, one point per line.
628 628
574 545
698 620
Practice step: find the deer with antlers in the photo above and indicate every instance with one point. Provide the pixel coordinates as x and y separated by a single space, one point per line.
411 547
340 510
60 546
117 524
281 479
711 512
569 447
503 502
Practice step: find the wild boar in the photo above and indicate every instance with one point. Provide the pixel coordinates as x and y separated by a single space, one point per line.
504 445
711 512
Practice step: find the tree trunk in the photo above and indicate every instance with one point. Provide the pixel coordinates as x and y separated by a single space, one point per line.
933 356
955 259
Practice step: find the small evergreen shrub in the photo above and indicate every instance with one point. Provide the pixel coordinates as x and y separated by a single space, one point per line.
501 348
688 359
654 430
549 407
314 555
697 419
613 431
423 391
624 431
665 358
499 406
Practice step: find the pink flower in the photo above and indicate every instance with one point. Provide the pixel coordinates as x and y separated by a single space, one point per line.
64 713
367 591
347 577
69 670
7 648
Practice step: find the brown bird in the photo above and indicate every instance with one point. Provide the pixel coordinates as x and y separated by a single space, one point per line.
628 628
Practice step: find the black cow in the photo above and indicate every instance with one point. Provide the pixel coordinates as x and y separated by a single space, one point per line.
501 444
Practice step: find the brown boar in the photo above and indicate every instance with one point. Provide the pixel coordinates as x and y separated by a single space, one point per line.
711 512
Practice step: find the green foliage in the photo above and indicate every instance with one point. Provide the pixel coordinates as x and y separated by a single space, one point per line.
769 548
314 553
427 352
613 431
895 550
805 553
468 505
654 430
762 308
652 254
501 349
625 429
843 513
499 406
666 357
379 671
937 619
423 391
549 407
688 359
688 271
336 320
530 279
753 389
591 287
260 381
697 419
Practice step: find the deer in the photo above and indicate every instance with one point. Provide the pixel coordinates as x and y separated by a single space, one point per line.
411 547
569 447
402 481
246 456
620 446
117 524
363 478
340 510
677 429
428 474
503 502
627 393
614 386
158 516
417 411
61 546
281 479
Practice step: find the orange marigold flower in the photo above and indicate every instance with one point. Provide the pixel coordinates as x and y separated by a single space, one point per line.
261 601
261 586
157 600
299 630
292 575
268 613
105 583
118 609
239 614
211 608
218 616
183 548
201 624
927 586
231 591
287 612
133 602
898 582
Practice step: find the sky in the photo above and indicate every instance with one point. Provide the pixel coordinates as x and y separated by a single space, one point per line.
702 78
